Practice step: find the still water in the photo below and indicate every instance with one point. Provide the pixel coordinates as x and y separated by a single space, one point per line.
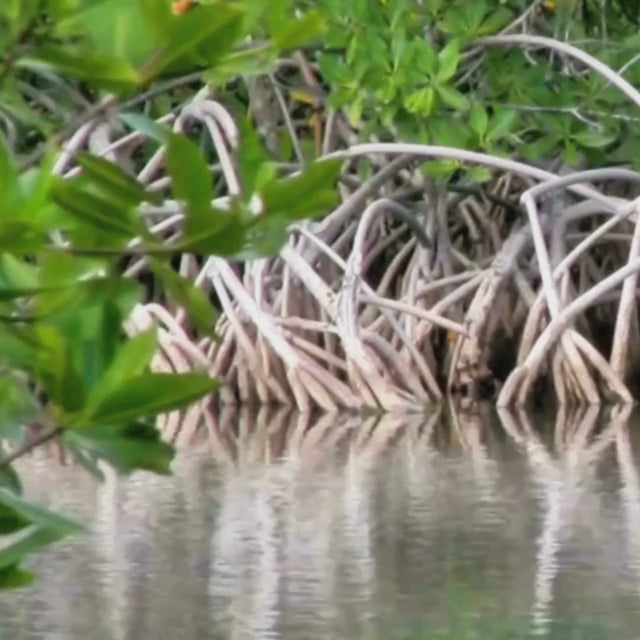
471 527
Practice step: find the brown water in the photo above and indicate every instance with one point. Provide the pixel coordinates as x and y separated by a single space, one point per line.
401 529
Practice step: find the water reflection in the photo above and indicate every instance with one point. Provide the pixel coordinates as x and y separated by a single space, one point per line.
465 524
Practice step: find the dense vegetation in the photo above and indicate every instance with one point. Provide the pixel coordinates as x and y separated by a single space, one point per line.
115 117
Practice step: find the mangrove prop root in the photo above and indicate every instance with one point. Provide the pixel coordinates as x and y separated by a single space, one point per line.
406 289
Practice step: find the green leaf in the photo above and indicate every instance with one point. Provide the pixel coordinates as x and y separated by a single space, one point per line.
114 180
11 521
32 540
479 120
197 39
298 32
56 370
145 125
267 236
185 293
479 174
37 515
503 123
131 359
448 60
127 447
192 182
307 194
452 97
94 210
8 174
150 394
593 139
85 65
12 577
10 479
421 102
258 60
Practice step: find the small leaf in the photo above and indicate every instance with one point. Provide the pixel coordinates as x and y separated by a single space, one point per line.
145 125
593 139
452 97
502 124
448 60
150 394
421 102
479 120
479 174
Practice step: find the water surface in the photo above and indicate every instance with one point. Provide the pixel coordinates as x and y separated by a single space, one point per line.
283 527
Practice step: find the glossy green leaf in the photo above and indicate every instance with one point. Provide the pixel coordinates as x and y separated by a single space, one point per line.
150 394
